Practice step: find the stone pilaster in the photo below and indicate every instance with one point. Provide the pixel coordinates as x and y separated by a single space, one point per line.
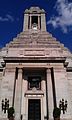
50 94
18 95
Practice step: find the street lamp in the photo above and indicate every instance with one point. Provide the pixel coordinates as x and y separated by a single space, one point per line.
5 104
63 105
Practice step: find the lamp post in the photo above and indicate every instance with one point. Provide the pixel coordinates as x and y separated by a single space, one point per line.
63 105
5 105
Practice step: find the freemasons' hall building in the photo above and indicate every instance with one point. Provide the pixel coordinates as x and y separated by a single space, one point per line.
35 72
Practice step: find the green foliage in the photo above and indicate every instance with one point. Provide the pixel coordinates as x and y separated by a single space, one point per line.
56 112
11 112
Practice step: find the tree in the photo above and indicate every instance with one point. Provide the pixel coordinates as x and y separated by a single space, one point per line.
56 113
11 112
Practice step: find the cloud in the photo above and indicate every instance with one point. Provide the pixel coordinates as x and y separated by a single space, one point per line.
6 18
64 18
3 19
10 17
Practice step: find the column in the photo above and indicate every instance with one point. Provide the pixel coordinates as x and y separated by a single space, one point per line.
43 22
43 87
25 24
38 22
49 94
18 95
30 22
53 87
24 100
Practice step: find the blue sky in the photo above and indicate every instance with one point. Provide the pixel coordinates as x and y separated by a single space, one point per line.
58 19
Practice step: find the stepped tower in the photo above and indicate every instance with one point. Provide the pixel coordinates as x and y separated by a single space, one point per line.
35 72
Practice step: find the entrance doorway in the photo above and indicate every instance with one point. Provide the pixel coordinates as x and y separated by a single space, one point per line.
34 109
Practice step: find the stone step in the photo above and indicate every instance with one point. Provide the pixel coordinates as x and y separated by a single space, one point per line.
3 118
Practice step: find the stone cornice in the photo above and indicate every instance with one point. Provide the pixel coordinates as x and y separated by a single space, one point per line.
34 59
69 69
34 92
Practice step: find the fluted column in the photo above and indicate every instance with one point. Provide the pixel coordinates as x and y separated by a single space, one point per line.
49 94
18 96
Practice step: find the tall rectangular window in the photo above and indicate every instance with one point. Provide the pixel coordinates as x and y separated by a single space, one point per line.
35 19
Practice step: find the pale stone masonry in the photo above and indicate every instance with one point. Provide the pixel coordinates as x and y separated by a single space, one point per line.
35 72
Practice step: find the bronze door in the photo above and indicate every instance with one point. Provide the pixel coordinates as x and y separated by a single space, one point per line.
34 109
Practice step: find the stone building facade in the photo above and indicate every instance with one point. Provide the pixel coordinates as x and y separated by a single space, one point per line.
35 72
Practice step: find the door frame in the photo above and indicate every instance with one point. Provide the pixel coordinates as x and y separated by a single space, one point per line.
35 97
